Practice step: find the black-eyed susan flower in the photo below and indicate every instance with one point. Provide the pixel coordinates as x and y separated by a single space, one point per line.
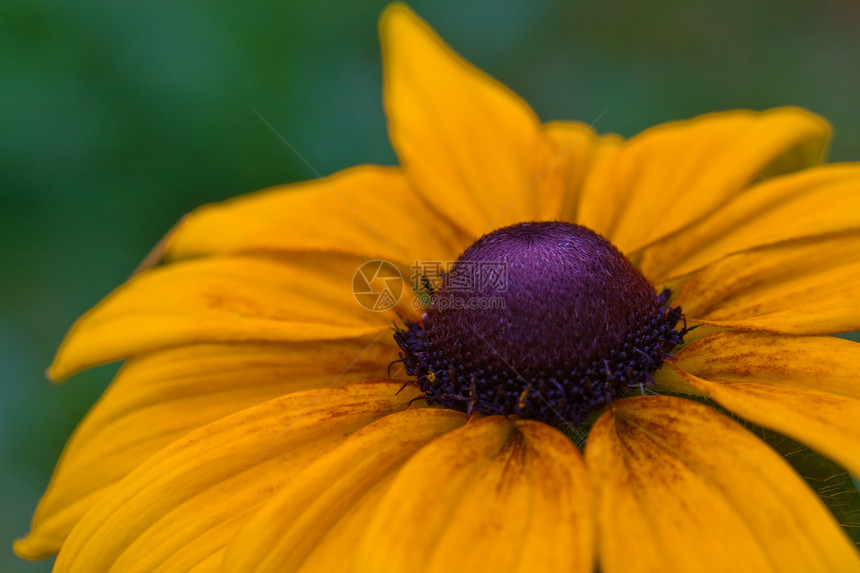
255 427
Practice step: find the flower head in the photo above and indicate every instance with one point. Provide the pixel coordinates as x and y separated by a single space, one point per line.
254 425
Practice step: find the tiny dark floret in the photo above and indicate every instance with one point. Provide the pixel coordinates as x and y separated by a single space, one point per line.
547 320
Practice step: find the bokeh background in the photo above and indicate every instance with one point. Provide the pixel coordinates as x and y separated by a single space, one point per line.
117 119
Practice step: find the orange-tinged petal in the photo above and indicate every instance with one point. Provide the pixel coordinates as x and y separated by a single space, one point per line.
599 198
825 422
474 149
580 153
804 387
817 201
667 379
327 490
226 299
209 564
492 496
682 488
674 174
158 398
365 211
336 550
804 286
187 502
822 363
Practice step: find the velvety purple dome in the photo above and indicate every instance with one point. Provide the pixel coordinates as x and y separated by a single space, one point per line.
545 320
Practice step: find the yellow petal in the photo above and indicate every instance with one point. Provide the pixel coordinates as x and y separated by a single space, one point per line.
581 154
326 492
474 149
226 299
335 552
822 363
366 211
493 496
209 564
805 286
672 175
158 398
804 387
682 488
813 202
188 501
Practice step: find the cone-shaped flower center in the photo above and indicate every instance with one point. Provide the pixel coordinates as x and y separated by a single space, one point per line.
545 320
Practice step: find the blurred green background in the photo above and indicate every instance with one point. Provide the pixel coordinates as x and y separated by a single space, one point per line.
117 119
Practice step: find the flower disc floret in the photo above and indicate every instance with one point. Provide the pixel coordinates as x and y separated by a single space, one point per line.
546 320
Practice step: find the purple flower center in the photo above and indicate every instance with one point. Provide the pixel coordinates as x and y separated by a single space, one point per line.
548 321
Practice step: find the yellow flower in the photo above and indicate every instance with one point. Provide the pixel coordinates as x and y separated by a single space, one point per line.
253 426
